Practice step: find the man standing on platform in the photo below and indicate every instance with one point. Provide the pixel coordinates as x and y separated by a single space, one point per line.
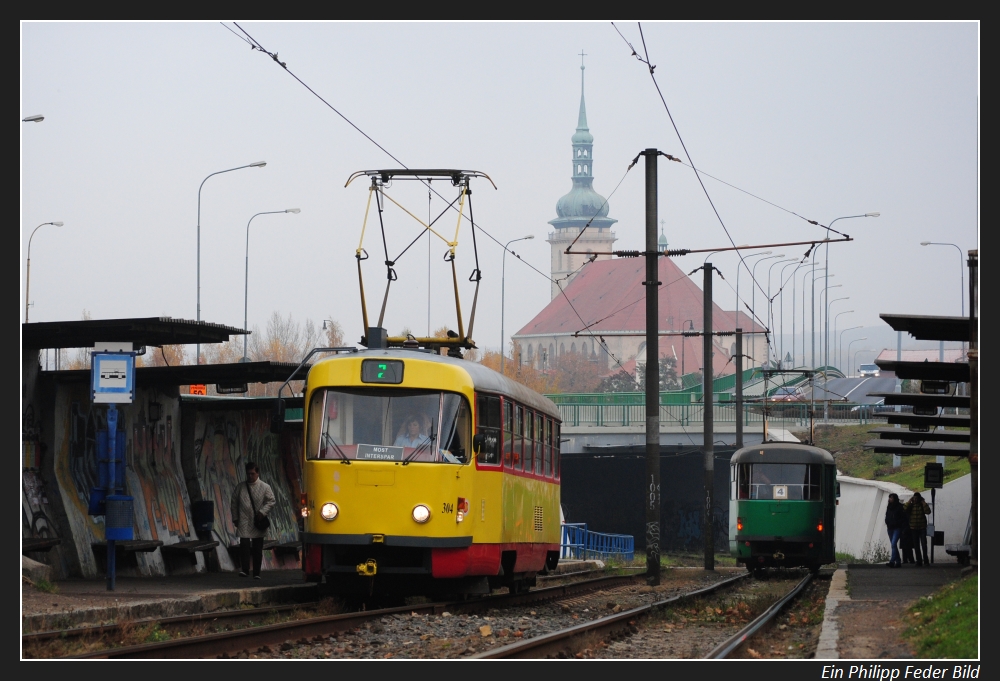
251 503
916 510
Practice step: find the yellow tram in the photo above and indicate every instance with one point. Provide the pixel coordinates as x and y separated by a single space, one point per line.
425 473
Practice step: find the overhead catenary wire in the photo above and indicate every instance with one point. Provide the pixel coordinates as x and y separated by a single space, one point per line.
274 56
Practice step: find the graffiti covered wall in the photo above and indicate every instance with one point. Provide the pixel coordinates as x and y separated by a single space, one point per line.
224 441
163 473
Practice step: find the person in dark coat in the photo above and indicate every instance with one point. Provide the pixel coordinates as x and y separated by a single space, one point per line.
896 523
917 510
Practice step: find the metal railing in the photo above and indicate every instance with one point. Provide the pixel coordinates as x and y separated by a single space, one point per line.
780 414
579 543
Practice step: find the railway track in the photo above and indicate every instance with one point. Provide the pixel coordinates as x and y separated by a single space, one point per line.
741 638
612 626
303 630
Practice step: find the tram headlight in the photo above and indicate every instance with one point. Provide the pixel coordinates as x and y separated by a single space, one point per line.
421 513
329 511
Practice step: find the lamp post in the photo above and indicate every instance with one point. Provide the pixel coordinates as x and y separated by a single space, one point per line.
690 323
37 118
856 353
27 273
258 164
805 264
822 293
829 304
961 269
246 273
738 267
753 277
781 309
503 273
826 322
812 309
770 318
840 348
836 355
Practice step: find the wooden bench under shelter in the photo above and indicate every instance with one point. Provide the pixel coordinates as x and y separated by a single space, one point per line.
128 546
960 551
39 544
189 547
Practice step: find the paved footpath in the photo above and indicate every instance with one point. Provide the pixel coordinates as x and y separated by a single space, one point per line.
879 588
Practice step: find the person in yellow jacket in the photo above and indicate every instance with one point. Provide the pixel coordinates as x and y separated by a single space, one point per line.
916 511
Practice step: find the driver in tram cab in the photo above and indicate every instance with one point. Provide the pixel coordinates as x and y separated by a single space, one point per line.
410 435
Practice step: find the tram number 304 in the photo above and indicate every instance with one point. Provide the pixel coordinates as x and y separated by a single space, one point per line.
448 508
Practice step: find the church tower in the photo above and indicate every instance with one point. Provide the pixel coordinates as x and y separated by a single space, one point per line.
582 205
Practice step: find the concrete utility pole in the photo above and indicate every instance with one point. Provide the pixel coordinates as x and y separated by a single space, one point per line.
709 436
652 480
739 388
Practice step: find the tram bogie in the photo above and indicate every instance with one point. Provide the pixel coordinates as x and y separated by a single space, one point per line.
782 506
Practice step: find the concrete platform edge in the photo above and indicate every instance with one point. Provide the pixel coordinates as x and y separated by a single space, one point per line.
829 633
158 608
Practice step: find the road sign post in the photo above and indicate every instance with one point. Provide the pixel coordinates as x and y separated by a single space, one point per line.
112 381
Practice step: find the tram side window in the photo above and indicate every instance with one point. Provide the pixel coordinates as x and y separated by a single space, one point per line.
488 425
539 447
518 438
555 452
547 447
529 441
508 432
741 481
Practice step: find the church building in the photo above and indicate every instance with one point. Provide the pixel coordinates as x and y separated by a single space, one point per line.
598 303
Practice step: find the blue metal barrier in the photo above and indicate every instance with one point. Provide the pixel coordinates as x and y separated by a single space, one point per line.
579 543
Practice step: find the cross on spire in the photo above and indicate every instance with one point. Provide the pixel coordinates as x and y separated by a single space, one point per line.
582 55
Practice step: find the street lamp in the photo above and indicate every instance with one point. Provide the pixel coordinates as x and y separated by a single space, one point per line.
828 306
835 346
690 323
826 322
738 267
770 318
246 273
37 118
27 273
856 353
503 272
753 298
781 311
840 348
821 308
258 164
812 309
961 269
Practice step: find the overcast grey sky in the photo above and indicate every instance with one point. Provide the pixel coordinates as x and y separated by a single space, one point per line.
824 119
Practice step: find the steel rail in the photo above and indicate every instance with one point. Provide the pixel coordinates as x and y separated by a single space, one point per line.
730 645
538 646
232 642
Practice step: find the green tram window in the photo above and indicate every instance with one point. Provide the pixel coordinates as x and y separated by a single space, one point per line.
780 481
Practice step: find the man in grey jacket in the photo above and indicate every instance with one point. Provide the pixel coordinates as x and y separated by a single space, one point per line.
242 509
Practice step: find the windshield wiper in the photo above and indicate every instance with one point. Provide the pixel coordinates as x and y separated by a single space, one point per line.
333 443
419 449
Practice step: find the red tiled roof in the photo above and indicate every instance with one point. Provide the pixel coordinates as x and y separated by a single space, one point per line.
609 296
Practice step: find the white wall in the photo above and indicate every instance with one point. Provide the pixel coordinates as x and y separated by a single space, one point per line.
861 514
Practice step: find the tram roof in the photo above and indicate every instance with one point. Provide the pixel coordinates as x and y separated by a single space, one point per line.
483 378
782 452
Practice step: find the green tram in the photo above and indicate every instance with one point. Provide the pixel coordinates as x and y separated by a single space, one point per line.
782 505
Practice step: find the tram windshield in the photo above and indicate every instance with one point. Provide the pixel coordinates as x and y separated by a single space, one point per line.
388 425
778 481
